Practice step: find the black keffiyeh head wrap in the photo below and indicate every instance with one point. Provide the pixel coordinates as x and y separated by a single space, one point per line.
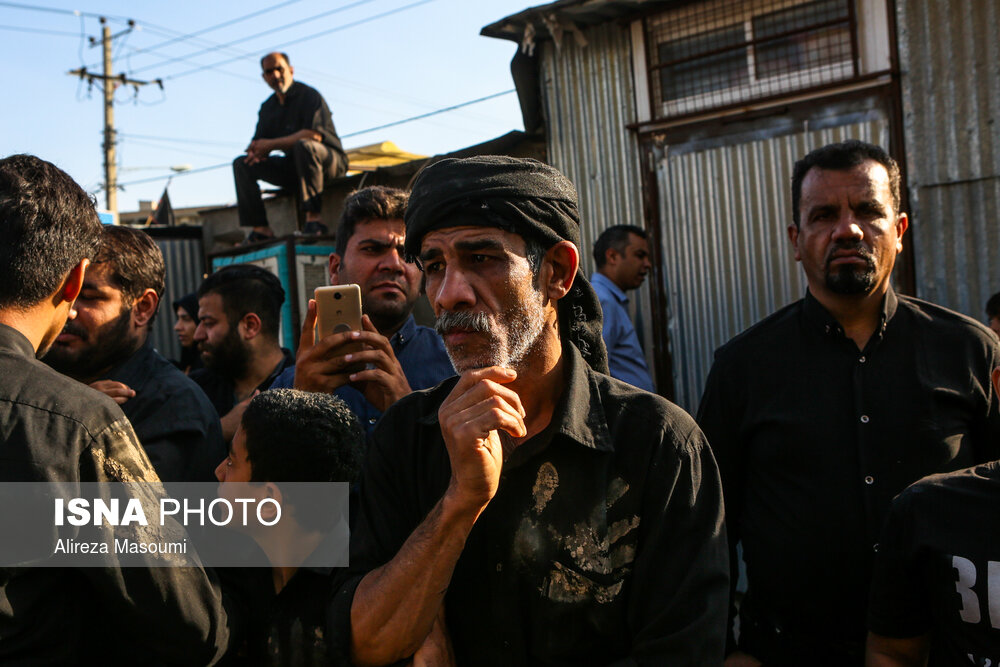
518 195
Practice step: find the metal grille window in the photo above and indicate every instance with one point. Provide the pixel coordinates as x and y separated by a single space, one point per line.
725 52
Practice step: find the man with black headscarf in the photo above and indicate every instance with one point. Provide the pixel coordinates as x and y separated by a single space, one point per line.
541 510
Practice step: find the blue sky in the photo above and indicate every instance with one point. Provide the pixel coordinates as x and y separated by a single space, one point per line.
375 61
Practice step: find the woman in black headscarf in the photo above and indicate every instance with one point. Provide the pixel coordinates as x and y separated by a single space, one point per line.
186 309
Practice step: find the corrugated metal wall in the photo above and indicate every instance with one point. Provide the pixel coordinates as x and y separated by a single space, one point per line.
950 73
184 261
728 263
588 98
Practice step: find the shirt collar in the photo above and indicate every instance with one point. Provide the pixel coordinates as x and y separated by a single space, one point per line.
404 335
580 414
821 318
15 341
136 363
600 279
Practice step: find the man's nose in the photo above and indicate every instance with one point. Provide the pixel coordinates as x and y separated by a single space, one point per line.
454 291
392 260
847 227
220 471
199 333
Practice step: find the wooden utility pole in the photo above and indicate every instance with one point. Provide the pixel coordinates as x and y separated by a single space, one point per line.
110 82
110 162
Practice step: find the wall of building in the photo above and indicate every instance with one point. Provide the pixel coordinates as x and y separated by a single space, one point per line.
588 98
949 59
185 265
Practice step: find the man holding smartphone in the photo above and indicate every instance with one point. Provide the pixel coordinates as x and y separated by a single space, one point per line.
399 356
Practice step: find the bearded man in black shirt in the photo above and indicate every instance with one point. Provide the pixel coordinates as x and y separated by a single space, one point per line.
823 412
542 511
296 121
107 346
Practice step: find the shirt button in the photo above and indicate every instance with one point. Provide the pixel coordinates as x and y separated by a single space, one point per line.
864 419
875 547
862 360
499 567
373 420
869 480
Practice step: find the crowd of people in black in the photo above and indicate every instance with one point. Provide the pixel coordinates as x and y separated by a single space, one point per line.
512 503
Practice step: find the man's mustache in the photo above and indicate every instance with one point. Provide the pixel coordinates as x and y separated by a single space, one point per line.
466 320
856 247
75 329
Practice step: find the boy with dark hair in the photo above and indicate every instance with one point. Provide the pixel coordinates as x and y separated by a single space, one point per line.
239 314
278 614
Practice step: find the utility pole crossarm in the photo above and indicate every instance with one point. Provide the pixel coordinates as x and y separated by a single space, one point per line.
122 79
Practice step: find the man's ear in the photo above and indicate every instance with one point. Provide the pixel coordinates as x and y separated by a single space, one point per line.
268 511
995 376
793 238
73 284
902 224
559 266
144 307
250 326
334 268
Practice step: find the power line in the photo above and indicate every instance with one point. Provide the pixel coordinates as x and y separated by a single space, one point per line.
345 26
182 173
57 10
269 31
186 151
429 113
200 142
352 134
16 28
217 26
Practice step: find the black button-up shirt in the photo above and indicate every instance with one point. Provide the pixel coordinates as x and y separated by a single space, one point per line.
304 109
222 392
54 429
283 629
814 438
604 542
175 421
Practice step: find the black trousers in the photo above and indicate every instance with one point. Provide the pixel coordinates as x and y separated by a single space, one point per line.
305 169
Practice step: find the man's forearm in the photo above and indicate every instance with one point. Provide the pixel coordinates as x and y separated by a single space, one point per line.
395 605
285 143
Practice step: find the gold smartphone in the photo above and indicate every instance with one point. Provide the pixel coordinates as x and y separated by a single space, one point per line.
338 309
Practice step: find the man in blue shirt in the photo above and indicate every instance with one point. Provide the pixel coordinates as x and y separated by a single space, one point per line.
622 256
400 355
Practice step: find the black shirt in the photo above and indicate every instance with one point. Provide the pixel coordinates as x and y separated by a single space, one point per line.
54 429
175 421
604 541
222 392
814 438
284 629
938 567
304 109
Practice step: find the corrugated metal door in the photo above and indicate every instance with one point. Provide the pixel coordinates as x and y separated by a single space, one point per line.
724 209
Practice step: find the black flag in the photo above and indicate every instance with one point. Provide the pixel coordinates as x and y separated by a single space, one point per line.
164 213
